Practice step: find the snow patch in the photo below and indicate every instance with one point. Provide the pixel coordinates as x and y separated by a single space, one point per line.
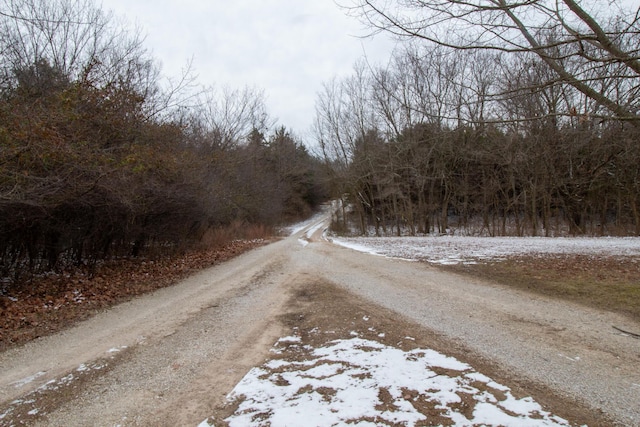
28 380
344 382
469 250
34 397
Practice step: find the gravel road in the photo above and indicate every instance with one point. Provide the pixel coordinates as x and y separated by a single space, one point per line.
170 358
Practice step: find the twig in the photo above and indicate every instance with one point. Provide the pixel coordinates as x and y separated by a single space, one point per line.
626 332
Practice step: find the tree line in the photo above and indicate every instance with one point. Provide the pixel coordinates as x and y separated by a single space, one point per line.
103 157
493 118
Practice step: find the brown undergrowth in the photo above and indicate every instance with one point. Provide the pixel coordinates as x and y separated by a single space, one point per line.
50 303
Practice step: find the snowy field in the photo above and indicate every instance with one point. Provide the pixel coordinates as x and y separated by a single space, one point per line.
362 382
468 250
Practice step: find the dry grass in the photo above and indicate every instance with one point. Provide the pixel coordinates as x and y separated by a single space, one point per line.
607 283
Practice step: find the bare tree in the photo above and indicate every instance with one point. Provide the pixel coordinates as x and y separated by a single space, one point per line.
85 43
596 37
226 118
74 36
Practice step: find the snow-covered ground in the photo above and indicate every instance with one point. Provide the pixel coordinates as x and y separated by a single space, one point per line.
362 382
462 249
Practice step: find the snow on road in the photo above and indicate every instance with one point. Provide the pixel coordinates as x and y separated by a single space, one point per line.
464 249
362 382
309 226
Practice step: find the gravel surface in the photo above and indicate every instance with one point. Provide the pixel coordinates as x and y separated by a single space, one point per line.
169 358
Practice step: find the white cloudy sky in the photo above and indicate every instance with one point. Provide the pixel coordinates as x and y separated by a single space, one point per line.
286 47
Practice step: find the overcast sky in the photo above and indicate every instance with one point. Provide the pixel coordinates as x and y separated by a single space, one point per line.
286 47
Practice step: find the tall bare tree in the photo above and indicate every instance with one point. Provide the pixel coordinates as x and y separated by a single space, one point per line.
227 117
602 37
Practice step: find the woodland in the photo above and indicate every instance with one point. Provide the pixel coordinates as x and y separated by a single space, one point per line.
102 158
492 118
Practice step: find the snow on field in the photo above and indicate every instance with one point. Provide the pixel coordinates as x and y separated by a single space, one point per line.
463 249
363 382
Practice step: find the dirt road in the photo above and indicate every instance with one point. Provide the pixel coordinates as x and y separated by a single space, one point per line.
171 357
